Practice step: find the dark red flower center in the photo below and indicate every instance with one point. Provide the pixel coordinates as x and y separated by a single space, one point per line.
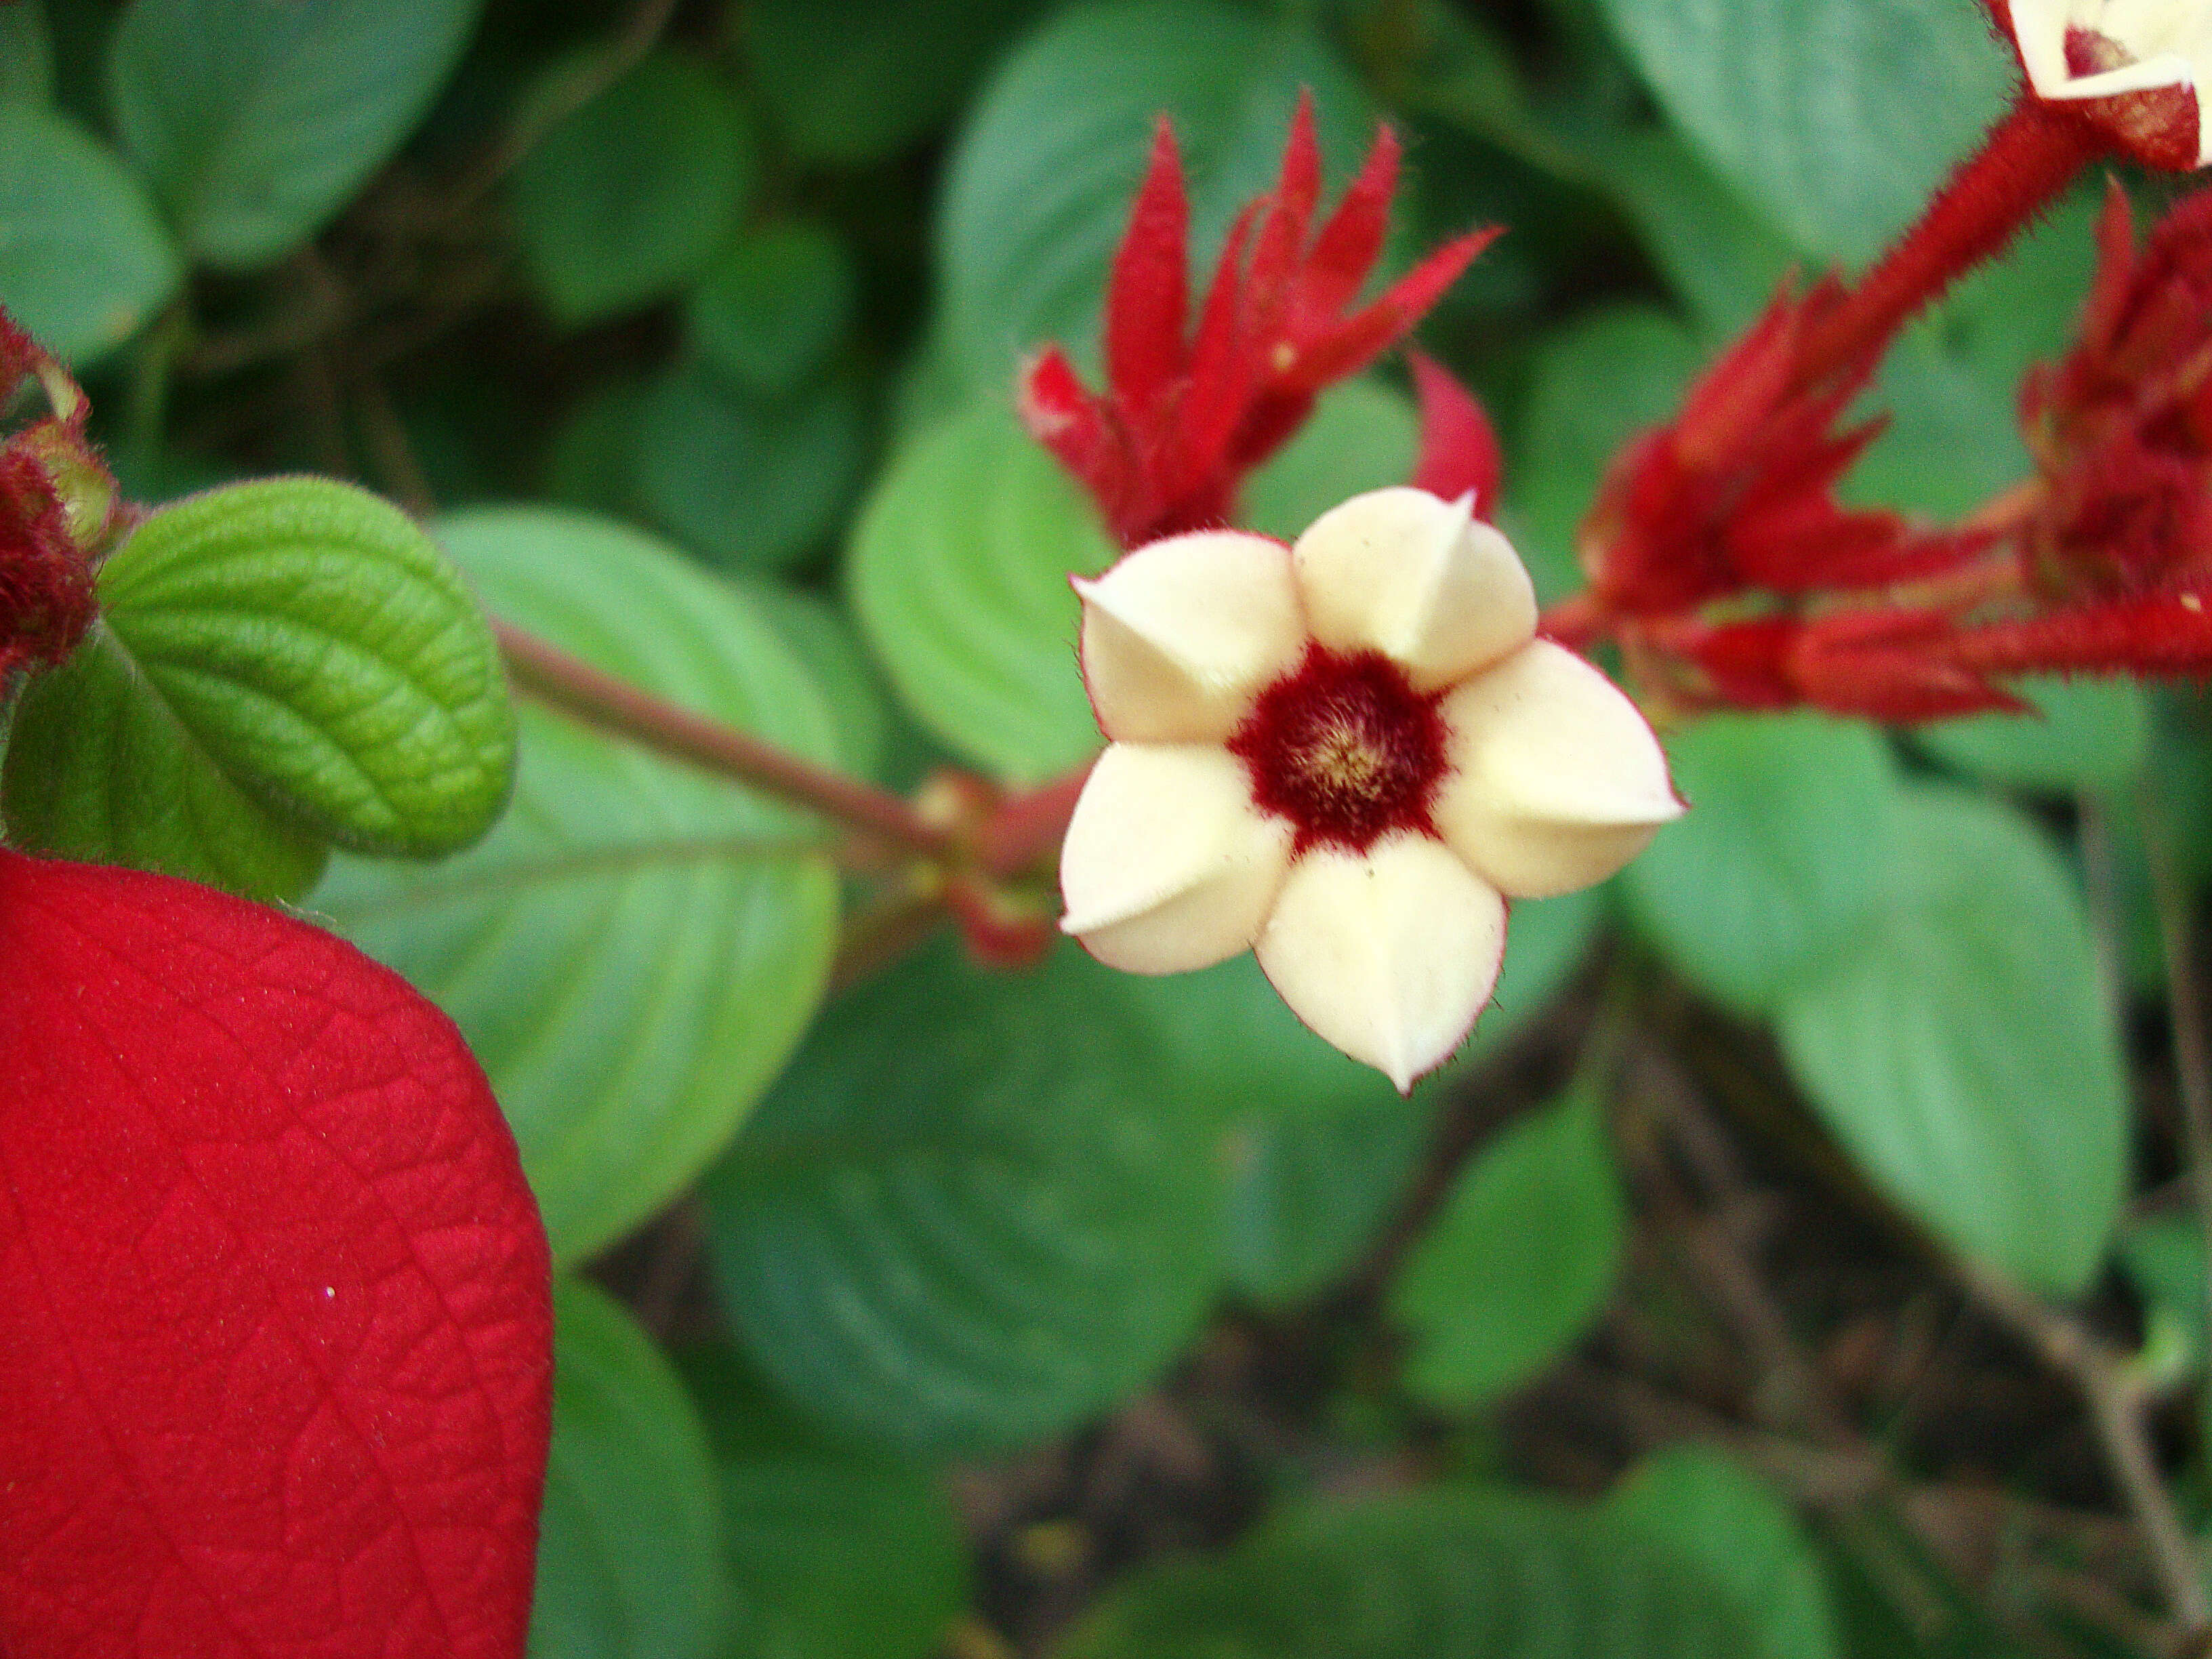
1345 750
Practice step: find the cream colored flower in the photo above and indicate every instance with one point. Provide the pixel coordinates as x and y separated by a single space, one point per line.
1347 756
2075 49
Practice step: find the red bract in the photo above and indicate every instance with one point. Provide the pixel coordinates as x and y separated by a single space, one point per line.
274 1335
1188 412
46 600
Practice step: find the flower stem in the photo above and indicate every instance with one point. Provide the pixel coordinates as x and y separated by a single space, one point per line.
1027 829
543 671
2031 155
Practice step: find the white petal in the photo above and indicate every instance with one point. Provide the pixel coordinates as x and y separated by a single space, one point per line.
1556 780
1389 955
1402 572
2039 28
1181 636
1167 864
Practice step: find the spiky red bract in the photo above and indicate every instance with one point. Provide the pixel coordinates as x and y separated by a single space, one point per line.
46 595
1459 454
275 1329
1184 420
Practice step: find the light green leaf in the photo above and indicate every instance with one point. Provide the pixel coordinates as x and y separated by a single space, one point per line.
973 1213
1779 864
255 122
821 636
99 769
1837 117
1719 254
958 575
769 312
630 198
84 261
315 643
2165 1259
1227 1032
1520 1261
1039 186
1308 1194
1363 435
752 484
1710 1511
836 1553
629 1553
1963 1054
1451 1573
635 950
850 82
1599 380
2091 734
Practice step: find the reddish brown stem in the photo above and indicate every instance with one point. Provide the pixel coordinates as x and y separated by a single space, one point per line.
1027 829
553 676
2028 158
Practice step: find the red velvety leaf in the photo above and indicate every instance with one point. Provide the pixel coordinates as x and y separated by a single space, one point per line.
275 1330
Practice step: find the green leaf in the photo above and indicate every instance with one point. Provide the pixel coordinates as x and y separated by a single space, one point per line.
318 646
2165 1259
636 948
591 461
84 261
1599 380
2091 735
753 484
1227 1032
1709 1509
629 1553
1778 864
958 575
1308 1194
973 1212
1039 186
836 1553
1452 1573
851 82
820 635
1837 117
629 198
255 122
1964 1055
27 54
1719 253
1362 436
769 312
99 769
1520 1261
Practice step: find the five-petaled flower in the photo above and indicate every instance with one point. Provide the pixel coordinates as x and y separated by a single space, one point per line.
1347 755
2132 66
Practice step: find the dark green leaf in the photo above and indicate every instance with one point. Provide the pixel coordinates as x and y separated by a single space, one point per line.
255 122
836 1553
26 55
1838 116
769 311
630 198
84 262
1448 1574
1039 187
1780 864
317 645
629 1553
752 484
1963 1052
958 575
1709 1509
1362 436
635 950
1718 252
99 769
975 1211
2164 1258
1520 1261
1308 1194
851 80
